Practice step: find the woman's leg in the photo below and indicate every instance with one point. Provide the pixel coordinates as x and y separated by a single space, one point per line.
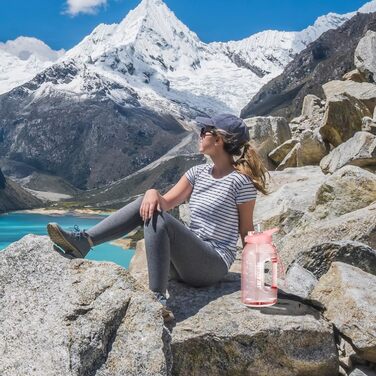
168 240
79 242
117 224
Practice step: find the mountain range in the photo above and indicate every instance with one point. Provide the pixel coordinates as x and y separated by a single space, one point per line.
126 94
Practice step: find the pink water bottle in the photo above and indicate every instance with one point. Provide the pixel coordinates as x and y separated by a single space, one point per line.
258 250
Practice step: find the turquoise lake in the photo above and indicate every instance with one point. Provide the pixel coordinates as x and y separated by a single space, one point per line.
13 226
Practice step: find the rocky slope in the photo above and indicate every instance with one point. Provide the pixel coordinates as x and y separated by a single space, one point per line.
327 58
14 197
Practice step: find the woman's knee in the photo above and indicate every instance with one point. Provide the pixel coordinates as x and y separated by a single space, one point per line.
157 222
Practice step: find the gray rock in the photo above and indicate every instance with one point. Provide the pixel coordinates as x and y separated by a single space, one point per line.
369 124
362 371
311 105
347 189
300 281
62 316
363 91
266 134
342 118
318 259
309 150
355 76
212 320
349 296
359 225
291 159
292 191
365 57
278 154
216 334
359 150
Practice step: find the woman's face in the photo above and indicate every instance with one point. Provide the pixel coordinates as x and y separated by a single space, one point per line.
208 138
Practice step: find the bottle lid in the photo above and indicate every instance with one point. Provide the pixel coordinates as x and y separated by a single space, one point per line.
260 237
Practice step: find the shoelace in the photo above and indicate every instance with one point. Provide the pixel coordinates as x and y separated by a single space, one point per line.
77 232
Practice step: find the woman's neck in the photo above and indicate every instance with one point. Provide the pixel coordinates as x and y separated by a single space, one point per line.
222 166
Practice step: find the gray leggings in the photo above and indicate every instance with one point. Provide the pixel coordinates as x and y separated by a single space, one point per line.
169 245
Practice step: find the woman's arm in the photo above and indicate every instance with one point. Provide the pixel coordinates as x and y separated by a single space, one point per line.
179 193
246 218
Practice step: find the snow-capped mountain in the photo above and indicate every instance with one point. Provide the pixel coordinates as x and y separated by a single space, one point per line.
21 59
124 96
152 53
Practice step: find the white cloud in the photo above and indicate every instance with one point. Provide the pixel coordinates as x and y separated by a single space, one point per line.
84 6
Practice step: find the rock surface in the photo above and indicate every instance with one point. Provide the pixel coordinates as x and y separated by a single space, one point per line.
342 118
266 134
363 91
364 57
62 316
359 150
318 259
286 339
14 197
347 189
349 297
359 225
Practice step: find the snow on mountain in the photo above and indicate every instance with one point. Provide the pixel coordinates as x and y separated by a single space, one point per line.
21 59
153 55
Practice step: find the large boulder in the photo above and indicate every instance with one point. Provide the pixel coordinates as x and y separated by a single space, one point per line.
63 316
278 154
217 335
365 57
347 189
309 150
292 191
359 150
359 225
266 133
311 117
354 75
349 296
318 259
240 340
342 118
365 92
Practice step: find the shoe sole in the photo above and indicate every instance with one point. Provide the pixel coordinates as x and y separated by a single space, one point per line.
58 238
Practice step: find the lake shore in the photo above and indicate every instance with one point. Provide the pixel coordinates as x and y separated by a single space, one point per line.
60 212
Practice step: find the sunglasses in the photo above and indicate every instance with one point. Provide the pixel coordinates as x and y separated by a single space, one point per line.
207 129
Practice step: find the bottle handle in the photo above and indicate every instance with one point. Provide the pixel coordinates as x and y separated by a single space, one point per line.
280 263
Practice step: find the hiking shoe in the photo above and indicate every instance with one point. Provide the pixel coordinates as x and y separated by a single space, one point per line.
76 243
166 313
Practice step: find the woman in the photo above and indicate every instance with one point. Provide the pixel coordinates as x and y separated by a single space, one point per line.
222 198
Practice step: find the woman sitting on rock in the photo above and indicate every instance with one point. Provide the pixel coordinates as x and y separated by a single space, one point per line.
221 196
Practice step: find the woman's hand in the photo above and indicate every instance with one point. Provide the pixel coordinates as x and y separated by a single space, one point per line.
149 204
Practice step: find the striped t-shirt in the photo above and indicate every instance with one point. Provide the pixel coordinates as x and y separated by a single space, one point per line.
214 214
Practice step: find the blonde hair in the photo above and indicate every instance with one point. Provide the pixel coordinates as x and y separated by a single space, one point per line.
249 163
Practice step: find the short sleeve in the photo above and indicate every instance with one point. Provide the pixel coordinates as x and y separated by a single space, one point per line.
191 174
246 191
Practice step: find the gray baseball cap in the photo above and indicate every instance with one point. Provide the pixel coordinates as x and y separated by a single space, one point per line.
229 123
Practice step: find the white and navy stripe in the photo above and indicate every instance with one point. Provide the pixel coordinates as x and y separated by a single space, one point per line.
214 214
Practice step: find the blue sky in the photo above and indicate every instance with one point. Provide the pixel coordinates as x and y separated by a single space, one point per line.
212 20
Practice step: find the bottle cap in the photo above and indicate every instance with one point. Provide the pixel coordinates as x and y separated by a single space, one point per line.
261 237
